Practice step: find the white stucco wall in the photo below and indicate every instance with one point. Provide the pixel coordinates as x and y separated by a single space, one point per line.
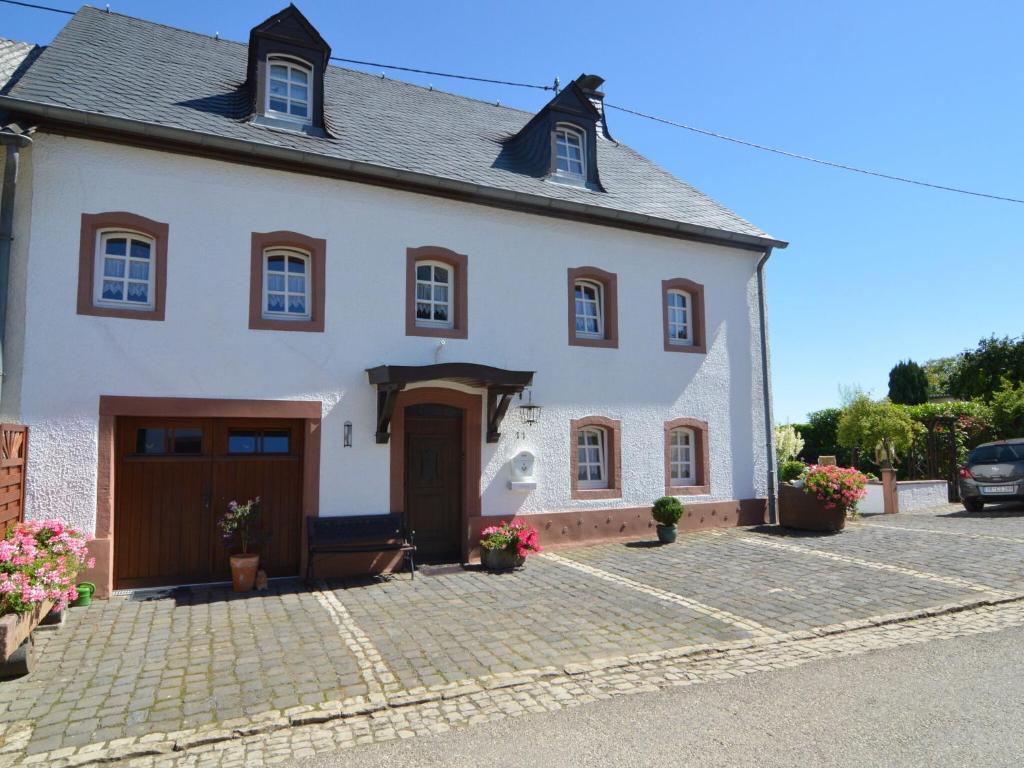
517 320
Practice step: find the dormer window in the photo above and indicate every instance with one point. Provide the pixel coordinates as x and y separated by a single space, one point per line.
288 89
569 152
288 60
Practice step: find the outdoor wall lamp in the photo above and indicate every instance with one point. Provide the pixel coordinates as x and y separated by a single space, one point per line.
529 411
348 434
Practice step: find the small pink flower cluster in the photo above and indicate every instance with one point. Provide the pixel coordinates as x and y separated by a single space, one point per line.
839 487
516 535
40 560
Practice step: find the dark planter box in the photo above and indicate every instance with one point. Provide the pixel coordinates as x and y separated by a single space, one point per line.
804 512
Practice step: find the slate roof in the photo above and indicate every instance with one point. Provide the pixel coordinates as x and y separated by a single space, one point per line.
13 55
124 67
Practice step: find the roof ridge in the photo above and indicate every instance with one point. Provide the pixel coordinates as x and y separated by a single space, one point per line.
218 39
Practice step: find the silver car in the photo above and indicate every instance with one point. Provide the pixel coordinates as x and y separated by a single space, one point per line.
994 473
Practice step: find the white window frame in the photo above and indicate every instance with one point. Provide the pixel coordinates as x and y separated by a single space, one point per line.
100 264
674 322
563 132
682 445
431 284
293 65
307 294
597 302
582 442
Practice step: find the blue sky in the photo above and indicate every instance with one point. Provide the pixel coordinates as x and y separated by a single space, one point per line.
876 271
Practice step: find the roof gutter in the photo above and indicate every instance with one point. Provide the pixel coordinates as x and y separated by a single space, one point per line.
12 144
766 391
309 162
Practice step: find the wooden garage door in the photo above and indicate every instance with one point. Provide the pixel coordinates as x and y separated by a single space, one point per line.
173 481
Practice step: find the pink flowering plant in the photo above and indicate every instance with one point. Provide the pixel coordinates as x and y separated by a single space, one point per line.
40 560
839 487
516 537
240 524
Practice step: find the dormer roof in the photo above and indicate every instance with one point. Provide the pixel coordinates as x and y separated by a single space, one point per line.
290 28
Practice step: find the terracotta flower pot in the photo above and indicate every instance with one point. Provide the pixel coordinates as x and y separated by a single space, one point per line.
243 572
500 559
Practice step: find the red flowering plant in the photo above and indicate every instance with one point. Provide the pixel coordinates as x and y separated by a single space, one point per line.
39 561
839 487
516 537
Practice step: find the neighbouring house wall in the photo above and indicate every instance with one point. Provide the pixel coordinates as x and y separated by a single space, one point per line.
14 339
517 320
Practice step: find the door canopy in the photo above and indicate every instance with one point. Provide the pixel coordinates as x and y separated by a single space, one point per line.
500 384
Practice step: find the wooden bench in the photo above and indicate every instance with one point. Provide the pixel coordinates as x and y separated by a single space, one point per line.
358 533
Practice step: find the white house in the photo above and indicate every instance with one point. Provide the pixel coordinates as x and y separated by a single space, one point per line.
237 270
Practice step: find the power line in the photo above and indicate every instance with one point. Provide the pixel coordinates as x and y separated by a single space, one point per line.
808 158
448 74
492 81
38 7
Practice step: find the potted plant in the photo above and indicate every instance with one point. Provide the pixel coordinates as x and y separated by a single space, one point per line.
239 527
505 546
828 496
666 511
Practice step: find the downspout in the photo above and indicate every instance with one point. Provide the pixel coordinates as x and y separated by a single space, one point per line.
12 143
766 391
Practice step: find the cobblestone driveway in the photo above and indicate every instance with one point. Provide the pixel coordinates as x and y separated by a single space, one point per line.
163 672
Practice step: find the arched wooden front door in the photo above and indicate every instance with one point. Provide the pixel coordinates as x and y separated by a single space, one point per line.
433 480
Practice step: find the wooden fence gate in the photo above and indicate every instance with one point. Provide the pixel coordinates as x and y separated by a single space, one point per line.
13 462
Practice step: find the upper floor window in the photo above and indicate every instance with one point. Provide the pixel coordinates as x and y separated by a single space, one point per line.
682 306
289 92
124 271
679 326
569 157
122 266
589 309
434 295
593 308
286 284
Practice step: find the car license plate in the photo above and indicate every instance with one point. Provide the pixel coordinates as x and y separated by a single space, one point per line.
995 489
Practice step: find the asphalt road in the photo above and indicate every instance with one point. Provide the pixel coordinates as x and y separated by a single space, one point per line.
953 702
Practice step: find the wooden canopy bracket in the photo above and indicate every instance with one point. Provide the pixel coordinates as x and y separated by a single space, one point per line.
498 399
387 394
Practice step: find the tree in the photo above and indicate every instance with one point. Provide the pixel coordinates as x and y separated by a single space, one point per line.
908 383
788 443
939 371
876 426
1008 410
819 436
981 371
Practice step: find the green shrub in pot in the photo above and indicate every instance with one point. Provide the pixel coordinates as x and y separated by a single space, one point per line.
791 470
666 512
